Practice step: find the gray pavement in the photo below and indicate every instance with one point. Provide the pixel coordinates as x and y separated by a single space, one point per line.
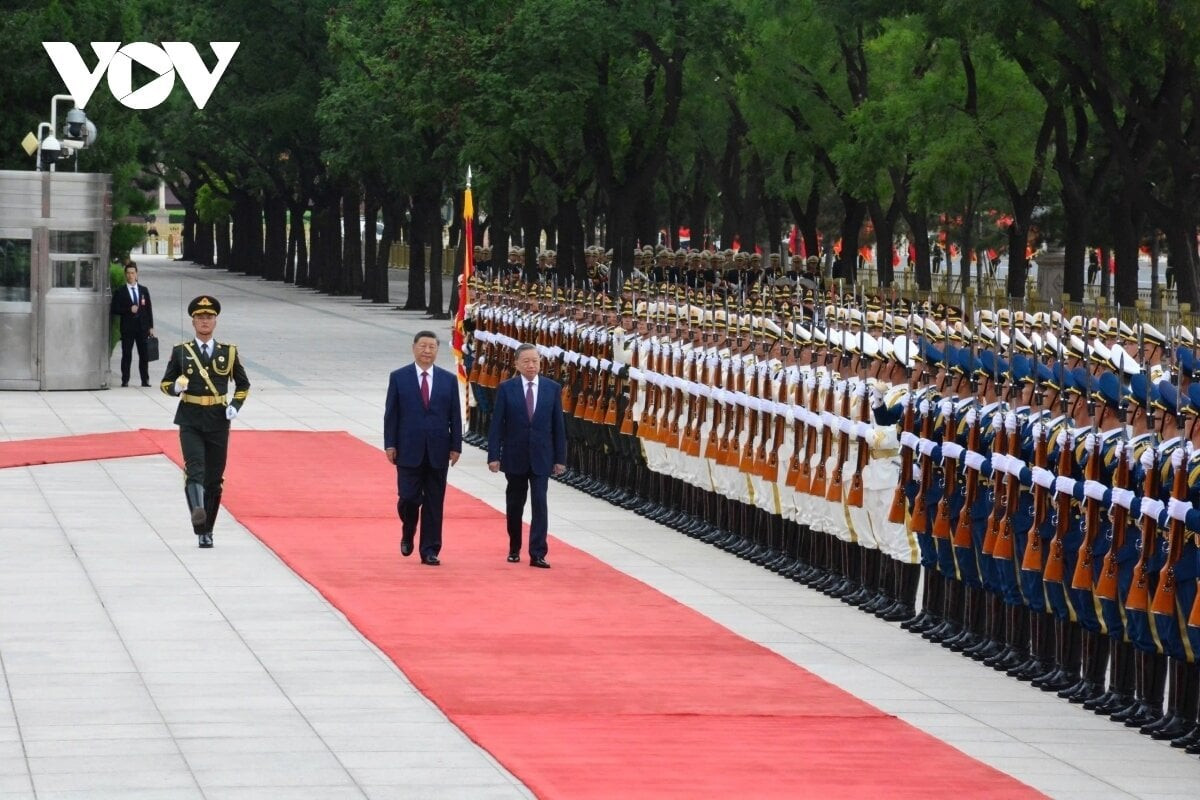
133 665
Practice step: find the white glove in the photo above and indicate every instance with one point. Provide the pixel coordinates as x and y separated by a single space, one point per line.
230 412
952 450
1037 431
864 430
1010 422
876 397
973 460
946 406
923 407
1177 457
1122 498
972 415
1094 490
909 439
1178 509
1043 477
1061 440
181 384
1152 507
1064 485
1147 459
999 462
916 473
1089 443
927 446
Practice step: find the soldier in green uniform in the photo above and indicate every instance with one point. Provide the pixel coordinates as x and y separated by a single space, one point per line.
198 373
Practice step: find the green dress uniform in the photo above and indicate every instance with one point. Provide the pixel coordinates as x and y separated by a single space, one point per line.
203 416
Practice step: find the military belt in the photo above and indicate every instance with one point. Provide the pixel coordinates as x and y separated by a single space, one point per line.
202 401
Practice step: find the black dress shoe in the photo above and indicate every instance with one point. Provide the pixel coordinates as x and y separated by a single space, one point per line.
124 383
406 546
539 562
206 540
430 561
514 558
145 383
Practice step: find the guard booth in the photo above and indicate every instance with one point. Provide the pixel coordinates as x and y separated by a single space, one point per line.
54 289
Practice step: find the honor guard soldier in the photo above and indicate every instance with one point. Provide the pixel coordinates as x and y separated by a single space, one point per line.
198 373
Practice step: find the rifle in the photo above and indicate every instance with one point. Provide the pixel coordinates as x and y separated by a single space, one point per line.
1138 596
1084 577
746 463
627 421
713 445
1106 585
770 470
854 496
1005 541
899 501
803 482
1165 598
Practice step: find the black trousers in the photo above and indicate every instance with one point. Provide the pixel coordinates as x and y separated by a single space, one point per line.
422 492
128 341
520 486
204 456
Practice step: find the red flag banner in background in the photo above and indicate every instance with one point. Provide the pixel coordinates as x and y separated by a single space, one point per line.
458 335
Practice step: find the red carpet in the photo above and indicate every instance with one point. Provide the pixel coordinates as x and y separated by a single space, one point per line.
581 680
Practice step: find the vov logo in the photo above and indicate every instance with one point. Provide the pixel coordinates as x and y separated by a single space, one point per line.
117 61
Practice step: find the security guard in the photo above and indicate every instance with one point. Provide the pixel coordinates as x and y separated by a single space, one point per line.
198 373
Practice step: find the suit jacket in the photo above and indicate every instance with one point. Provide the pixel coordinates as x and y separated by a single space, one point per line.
224 363
415 430
523 445
132 324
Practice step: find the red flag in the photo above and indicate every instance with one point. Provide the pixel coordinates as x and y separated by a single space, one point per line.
792 236
458 335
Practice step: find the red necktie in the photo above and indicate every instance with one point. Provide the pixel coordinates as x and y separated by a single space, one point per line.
425 389
529 398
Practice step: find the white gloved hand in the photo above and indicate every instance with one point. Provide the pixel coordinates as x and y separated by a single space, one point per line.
972 415
1152 507
1064 485
1061 440
1043 477
1010 422
973 460
1147 459
1089 443
864 430
1178 509
1014 466
999 462
1094 490
946 406
923 407
1177 457
916 473
908 439
1122 498
927 446
876 397
1036 430
952 450
181 384
230 412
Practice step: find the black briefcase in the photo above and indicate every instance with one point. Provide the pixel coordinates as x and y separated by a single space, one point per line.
152 348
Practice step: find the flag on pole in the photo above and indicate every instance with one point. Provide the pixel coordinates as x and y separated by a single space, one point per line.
458 338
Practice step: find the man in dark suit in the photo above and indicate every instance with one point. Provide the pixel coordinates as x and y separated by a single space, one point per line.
131 303
422 434
198 373
528 441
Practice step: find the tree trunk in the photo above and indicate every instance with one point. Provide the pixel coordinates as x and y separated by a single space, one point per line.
224 244
1075 236
918 227
352 236
202 246
370 245
1126 226
498 219
276 245
416 260
188 236
852 220
570 239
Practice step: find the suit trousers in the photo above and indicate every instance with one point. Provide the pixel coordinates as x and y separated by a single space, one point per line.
128 341
520 486
422 492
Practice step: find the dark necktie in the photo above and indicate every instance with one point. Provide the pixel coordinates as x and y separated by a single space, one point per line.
134 292
529 398
425 389
204 351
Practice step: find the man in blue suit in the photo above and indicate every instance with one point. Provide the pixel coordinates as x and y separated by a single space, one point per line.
528 441
422 434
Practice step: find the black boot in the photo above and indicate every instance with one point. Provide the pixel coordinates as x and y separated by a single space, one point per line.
1121 684
1179 718
1068 653
906 577
1094 653
1190 701
195 500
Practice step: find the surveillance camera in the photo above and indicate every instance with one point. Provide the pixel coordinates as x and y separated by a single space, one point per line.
76 122
51 150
